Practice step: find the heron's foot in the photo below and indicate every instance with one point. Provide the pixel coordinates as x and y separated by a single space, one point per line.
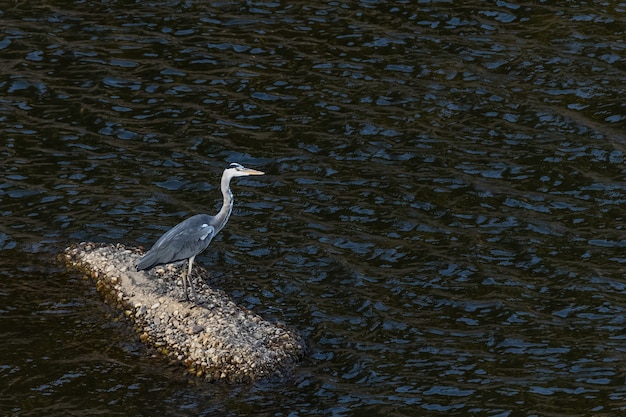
194 299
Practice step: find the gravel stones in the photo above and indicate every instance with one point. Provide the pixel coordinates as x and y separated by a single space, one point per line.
217 340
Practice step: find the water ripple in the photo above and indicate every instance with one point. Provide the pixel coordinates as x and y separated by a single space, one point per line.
442 200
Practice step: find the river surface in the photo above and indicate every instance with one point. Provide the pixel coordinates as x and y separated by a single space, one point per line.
441 216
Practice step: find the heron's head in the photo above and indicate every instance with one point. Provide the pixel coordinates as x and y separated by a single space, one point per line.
238 170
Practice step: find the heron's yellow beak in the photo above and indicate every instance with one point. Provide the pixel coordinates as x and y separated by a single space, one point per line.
250 171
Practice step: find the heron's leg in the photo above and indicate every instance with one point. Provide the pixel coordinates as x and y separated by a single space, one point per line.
193 291
184 276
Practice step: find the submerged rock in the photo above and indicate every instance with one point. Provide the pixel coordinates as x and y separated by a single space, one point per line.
216 339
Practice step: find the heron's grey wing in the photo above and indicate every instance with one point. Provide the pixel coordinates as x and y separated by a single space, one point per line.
186 239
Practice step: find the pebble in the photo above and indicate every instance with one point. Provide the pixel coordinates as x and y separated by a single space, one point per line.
195 329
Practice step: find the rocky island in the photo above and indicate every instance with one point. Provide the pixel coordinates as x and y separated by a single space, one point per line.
215 339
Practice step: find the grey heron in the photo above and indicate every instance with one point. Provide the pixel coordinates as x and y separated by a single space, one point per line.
192 236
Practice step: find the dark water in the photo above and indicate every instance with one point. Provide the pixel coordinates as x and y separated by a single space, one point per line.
441 216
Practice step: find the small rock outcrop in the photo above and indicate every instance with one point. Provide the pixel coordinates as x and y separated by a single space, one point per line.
216 339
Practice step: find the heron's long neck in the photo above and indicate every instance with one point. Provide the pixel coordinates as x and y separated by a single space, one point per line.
227 207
